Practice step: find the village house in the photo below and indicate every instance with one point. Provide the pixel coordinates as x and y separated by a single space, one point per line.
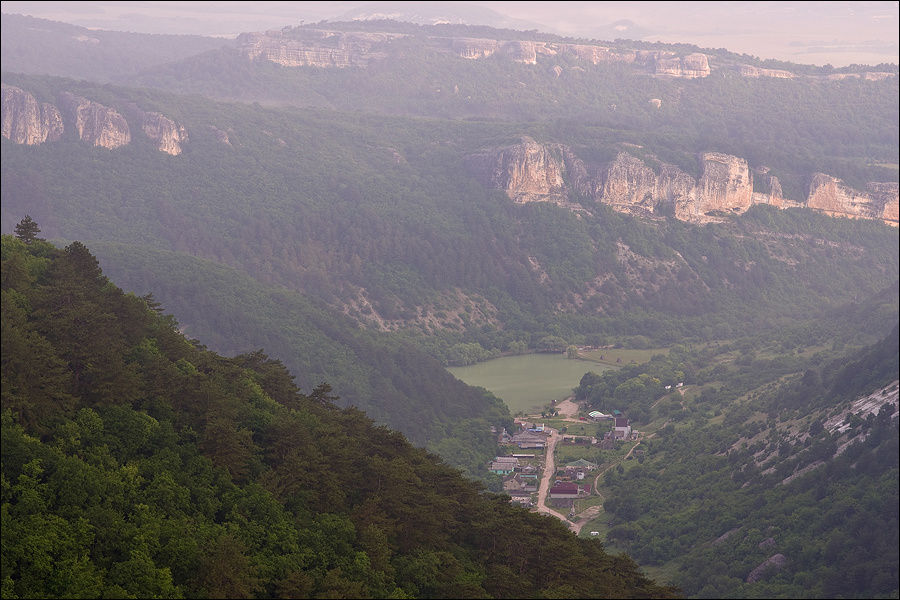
504 465
529 472
517 483
579 469
608 442
564 494
529 439
621 429
563 491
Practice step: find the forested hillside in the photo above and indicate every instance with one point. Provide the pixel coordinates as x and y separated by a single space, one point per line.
392 380
794 126
96 55
773 472
136 464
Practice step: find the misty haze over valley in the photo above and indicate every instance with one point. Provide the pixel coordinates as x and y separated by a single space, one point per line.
488 299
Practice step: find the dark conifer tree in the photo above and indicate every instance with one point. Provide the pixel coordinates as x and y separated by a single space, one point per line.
27 230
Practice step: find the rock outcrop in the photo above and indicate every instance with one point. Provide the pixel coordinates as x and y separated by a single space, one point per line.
527 172
692 66
886 197
299 47
775 562
832 196
772 192
756 72
472 48
315 48
24 121
95 123
725 185
868 76
629 185
534 172
168 135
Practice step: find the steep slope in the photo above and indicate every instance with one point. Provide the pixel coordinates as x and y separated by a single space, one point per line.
787 449
204 476
391 380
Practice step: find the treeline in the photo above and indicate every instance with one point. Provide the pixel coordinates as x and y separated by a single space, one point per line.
137 464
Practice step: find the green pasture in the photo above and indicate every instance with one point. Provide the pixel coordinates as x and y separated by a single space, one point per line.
529 381
621 356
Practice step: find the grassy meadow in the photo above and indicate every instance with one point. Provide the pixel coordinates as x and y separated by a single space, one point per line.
621 356
529 381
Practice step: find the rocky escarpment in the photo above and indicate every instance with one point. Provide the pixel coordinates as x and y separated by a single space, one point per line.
168 135
832 196
868 76
725 185
27 122
527 171
534 172
315 48
756 72
24 121
691 66
95 123
301 47
771 189
474 48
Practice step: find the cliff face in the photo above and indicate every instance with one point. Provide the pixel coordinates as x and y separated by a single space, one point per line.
315 48
832 196
885 196
726 184
527 172
756 72
472 48
24 121
629 185
691 66
165 132
95 123
533 172
301 47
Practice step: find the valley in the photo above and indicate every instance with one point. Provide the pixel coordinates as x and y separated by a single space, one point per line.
316 311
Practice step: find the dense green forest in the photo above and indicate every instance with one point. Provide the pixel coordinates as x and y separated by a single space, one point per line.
737 448
795 127
138 464
847 128
391 379
378 217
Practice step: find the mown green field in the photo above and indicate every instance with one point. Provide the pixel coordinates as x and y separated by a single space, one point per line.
529 381
621 356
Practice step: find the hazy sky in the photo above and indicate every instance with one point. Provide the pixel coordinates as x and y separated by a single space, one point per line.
839 33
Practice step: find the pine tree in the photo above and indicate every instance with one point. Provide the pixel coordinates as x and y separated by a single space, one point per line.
27 230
